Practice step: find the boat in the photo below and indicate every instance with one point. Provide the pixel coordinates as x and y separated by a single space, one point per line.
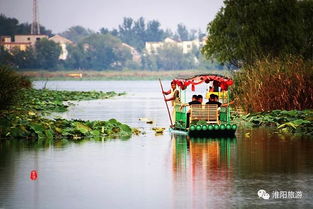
204 120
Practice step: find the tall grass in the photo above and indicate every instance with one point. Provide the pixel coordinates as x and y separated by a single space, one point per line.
11 84
275 84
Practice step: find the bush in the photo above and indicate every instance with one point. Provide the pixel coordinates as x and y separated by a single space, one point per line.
275 84
10 86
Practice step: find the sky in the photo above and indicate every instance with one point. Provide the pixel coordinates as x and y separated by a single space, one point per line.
59 15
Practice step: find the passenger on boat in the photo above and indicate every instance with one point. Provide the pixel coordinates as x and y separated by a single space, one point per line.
214 100
194 100
200 98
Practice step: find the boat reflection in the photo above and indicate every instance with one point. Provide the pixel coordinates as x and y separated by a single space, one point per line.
202 170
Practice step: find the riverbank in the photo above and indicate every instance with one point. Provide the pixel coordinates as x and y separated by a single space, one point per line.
26 119
114 75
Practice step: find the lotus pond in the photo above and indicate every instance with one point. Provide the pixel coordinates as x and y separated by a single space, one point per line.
26 119
153 171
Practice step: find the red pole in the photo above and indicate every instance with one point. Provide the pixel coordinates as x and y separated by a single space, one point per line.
168 110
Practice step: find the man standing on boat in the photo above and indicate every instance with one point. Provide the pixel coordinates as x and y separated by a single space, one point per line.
175 98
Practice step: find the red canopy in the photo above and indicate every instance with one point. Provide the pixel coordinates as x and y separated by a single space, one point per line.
220 81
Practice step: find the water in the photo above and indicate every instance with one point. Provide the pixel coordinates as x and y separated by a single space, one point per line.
148 171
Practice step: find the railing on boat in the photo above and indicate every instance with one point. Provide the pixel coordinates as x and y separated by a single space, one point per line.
207 112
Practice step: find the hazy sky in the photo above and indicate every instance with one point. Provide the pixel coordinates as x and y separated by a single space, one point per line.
59 15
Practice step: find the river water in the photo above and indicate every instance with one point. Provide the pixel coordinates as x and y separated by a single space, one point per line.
149 171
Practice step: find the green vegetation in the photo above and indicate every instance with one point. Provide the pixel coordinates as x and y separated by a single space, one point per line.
45 55
271 41
117 49
245 31
25 120
22 111
31 126
47 101
11 84
11 27
99 52
288 122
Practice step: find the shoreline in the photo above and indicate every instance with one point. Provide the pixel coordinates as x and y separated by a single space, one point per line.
114 75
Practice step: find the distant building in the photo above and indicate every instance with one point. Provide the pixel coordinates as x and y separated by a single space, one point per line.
29 38
186 46
152 47
21 42
134 53
63 42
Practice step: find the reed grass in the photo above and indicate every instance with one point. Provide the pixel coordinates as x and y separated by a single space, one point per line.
275 84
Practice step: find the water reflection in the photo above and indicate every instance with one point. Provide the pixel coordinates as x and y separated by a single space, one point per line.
203 170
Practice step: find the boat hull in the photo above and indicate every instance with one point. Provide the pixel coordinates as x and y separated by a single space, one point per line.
207 133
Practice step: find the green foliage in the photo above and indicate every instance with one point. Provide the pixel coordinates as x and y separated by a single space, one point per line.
137 32
182 32
10 86
76 33
291 122
47 53
35 127
98 51
24 120
247 30
23 59
11 27
52 101
5 57
104 50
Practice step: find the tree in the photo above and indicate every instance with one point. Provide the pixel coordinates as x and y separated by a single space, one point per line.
11 27
47 53
8 26
126 32
5 57
76 57
247 30
154 33
98 51
24 59
76 33
137 32
140 33
182 32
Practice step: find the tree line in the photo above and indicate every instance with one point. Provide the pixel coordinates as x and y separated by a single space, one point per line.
105 49
136 32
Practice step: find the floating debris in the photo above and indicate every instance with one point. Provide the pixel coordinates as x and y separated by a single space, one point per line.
136 131
158 130
149 121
